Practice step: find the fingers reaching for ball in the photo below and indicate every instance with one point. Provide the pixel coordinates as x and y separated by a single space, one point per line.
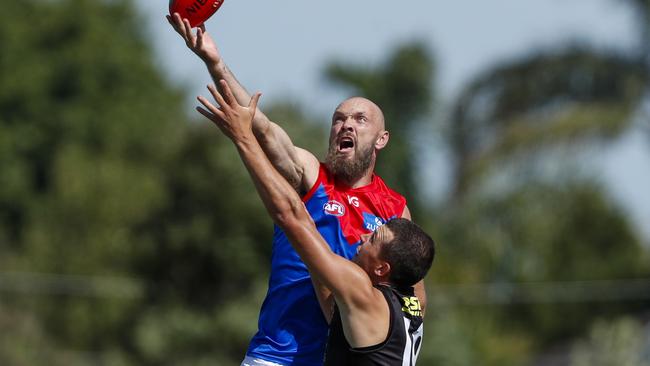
196 12
233 119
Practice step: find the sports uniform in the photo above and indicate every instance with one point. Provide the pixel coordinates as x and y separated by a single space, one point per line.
291 328
402 344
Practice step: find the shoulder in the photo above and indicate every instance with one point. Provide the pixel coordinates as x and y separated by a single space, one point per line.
390 197
381 186
404 301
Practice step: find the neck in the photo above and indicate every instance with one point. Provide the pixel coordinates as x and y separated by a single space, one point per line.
383 281
363 180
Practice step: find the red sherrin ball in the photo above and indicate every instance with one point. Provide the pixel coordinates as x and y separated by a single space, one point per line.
196 11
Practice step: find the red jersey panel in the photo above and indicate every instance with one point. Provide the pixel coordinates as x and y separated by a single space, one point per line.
359 210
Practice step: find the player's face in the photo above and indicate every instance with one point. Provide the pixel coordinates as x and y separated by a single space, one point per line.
357 124
368 253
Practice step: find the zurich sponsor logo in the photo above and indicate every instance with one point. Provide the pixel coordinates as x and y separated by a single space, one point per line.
334 208
372 222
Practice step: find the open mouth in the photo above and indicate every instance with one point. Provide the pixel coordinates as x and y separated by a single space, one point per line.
346 144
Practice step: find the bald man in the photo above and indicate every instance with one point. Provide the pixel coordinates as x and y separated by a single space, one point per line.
344 197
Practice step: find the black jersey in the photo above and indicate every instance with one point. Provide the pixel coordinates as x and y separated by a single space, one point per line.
401 346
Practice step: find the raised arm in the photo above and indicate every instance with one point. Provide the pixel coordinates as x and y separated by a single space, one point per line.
296 165
348 282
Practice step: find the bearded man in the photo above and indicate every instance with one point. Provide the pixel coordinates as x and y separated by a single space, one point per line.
344 197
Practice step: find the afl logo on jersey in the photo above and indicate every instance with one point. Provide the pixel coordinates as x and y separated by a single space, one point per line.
334 208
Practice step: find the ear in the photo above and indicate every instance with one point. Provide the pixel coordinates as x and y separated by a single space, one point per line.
382 270
382 140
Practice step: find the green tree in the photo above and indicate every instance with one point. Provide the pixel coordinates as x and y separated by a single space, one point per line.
132 233
562 96
205 254
516 272
80 99
546 100
622 342
509 221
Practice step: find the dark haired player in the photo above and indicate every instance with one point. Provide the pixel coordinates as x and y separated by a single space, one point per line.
377 318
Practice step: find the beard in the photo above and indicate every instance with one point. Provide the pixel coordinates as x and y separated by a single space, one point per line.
349 170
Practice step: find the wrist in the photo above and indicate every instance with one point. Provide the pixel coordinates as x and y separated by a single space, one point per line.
215 65
244 140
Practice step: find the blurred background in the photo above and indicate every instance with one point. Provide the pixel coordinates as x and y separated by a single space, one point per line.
520 135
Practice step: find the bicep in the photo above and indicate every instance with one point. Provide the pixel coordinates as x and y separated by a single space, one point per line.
295 164
349 283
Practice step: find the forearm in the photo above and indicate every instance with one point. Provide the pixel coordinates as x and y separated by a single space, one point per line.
220 71
287 211
275 142
279 197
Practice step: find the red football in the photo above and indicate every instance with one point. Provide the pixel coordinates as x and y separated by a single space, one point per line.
196 11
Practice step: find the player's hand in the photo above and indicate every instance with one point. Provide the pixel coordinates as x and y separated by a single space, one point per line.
233 119
200 43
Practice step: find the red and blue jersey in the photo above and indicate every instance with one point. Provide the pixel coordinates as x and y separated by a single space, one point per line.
292 329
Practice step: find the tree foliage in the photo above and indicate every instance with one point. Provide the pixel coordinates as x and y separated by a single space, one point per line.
538 102
623 342
130 233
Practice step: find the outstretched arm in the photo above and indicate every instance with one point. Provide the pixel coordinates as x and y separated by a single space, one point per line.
296 165
348 282
280 199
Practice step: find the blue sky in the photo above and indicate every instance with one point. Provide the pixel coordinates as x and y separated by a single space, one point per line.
280 48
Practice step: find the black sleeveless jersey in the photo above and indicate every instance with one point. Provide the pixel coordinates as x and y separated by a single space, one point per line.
401 346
